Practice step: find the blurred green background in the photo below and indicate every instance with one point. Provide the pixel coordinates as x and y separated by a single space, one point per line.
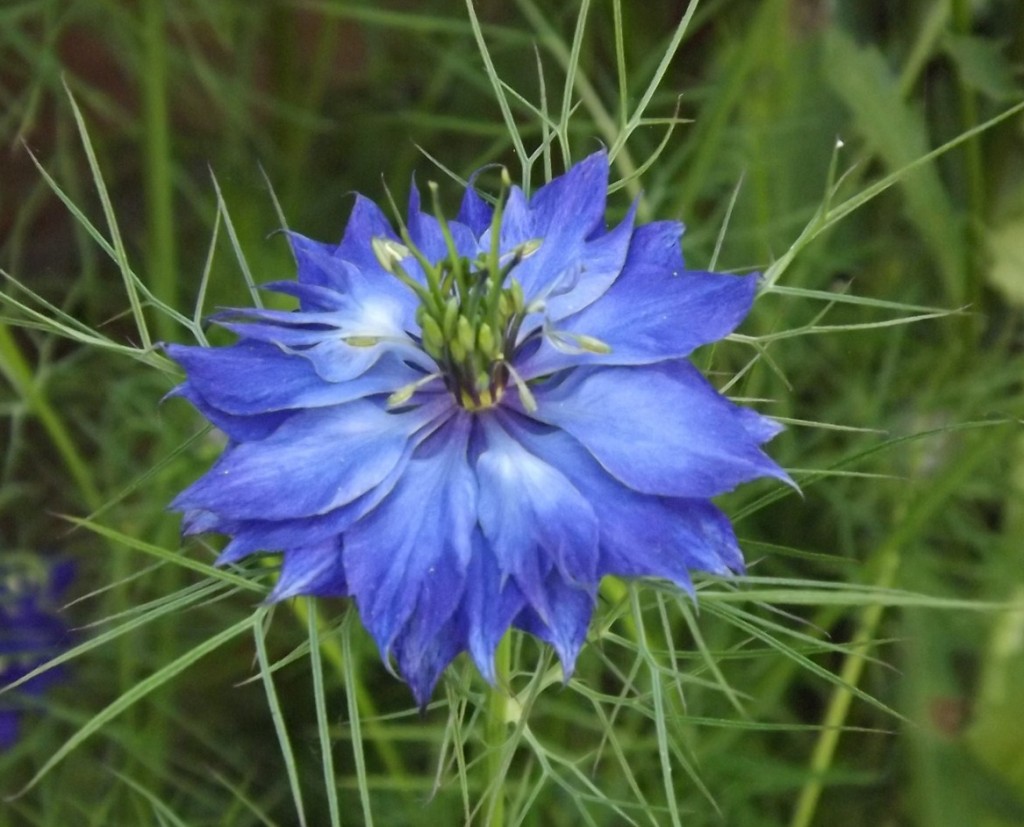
310 100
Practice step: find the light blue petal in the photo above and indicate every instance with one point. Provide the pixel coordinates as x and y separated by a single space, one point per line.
660 429
315 570
533 517
406 561
425 232
474 212
650 315
253 378
316 461
640 535
366 222
566 627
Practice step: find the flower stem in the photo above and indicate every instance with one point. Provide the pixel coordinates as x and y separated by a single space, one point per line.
496 732
331 650
159 173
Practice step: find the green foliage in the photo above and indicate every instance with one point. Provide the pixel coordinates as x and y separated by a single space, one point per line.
867 670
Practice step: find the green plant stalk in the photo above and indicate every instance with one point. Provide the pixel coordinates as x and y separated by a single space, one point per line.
975 175
14 367
160 231
320 701
496 731
331 649
842 698
159 188
910 521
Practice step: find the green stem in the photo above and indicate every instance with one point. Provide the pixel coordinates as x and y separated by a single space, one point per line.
14 367
839 704
331 649
159 188
910 520
496 732
975 176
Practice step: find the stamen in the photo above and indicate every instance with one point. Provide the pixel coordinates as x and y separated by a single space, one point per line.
404 394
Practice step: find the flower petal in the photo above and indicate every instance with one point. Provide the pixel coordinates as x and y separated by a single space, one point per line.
491 602
252 536
406 561
426 233
316 461
565 628
640 535
649 315
564 215
237 428
318 271
533 518
660 429
600 263
574 201
366 222
253 378
315 570
474 212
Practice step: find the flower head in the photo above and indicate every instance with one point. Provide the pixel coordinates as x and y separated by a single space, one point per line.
31 631
467 423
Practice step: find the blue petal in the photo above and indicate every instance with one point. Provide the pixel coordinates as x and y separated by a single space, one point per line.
574 200
566 627
474 212
237 428
491 602
421 658
660 429
373 304
533 518
317 269
640 535
649 315
406 561
668 537
9 728
252 536
314 462
315 570
425 232
366 222
516 224
564 215
252 378
484 615
601 262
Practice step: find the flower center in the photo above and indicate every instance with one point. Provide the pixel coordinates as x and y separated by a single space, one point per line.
470 312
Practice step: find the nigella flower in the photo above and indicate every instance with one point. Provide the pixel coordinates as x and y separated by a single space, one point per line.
31 631
467 423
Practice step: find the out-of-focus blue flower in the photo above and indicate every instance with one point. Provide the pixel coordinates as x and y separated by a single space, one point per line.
468 423
31 630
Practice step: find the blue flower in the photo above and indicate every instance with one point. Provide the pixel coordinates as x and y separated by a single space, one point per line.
31 631
468 423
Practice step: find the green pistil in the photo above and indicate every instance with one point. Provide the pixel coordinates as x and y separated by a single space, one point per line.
470 311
